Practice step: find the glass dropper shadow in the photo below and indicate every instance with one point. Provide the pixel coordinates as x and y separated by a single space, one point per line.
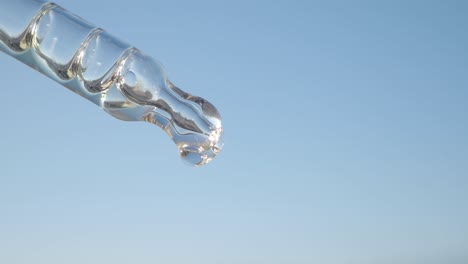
126 83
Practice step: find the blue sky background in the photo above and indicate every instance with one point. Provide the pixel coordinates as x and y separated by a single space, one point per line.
346 140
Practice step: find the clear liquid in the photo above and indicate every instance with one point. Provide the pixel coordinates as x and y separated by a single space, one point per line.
117 77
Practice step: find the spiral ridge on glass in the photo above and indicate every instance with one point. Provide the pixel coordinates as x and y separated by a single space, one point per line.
126 83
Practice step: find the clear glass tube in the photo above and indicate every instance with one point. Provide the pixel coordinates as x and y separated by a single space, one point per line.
122 80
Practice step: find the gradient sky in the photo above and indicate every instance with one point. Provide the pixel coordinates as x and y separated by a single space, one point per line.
346 140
